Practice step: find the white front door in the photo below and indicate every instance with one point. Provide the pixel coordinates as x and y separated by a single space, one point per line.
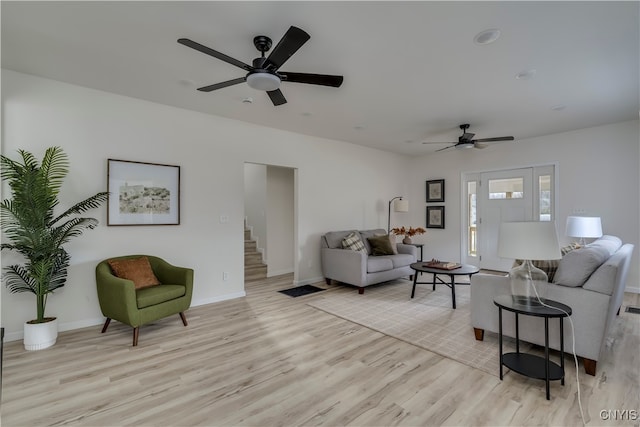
503 196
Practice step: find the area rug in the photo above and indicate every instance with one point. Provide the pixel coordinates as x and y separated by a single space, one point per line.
300 291
427 320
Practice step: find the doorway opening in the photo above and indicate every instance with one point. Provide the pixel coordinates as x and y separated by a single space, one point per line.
270 221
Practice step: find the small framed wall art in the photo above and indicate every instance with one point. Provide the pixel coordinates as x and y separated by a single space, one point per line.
142 193
435 216
435 190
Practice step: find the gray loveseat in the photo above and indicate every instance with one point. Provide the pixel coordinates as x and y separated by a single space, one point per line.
594 296
362 269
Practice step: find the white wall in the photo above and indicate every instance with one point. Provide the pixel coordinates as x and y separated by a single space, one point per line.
255 203
340 186
597 174
280 220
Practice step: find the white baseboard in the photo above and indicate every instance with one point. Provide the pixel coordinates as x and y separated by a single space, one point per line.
62 327
632 289
219 298
69 326
279 272
309 281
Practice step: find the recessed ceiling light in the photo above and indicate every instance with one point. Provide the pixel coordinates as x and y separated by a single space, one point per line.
358 127
526 74
487 36
409 141
558 107
306 114
247 100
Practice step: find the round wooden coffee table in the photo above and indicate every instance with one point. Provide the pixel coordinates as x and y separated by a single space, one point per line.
463 270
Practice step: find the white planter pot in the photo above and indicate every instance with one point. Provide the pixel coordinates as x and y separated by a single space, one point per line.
38 336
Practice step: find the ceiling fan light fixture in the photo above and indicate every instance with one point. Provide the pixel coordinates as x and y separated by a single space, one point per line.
263 81
487 36
464 145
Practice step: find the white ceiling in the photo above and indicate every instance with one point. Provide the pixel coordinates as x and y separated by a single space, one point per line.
412 72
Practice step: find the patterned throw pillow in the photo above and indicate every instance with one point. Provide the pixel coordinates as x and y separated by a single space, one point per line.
550 266
137 270
353 242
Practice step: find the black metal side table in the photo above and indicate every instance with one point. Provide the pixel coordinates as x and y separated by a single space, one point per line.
531 365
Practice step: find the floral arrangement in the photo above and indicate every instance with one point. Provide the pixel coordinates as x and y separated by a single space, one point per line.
408 232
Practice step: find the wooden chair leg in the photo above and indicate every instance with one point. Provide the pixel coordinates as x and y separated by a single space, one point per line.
184 319
136 331
361 291
327 281
106 325
479 333
589 366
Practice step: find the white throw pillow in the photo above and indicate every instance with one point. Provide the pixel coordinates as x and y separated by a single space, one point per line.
578 265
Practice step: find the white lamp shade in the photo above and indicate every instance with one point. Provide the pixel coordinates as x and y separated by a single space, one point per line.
584 226
401 205
535 240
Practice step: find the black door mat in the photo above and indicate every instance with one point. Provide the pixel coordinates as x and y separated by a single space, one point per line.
635 310
299 291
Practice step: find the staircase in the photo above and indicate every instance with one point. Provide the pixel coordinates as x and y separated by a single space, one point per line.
254 269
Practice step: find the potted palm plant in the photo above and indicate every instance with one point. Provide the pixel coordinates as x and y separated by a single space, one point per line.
34 231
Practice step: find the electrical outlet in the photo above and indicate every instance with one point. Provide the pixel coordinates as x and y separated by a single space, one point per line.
225 275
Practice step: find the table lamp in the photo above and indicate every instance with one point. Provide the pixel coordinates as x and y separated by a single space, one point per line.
584 227
534 240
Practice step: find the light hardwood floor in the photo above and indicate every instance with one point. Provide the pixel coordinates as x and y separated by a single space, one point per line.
271 360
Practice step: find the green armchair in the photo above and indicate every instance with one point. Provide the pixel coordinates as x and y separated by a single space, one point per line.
120 300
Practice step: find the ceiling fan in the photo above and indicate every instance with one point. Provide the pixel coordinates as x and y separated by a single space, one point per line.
264 73
466 140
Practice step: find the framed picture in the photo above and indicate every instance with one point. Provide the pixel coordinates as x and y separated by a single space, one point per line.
435 190
142 193
435 216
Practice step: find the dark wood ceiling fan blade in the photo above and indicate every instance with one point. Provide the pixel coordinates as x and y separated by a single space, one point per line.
221 56
445 148
289 44
312 79
499 138
222 84
441 142
277 97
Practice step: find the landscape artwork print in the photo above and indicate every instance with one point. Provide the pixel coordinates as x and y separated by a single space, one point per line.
143 193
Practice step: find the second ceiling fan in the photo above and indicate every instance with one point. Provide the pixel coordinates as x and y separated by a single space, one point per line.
264 73
466 140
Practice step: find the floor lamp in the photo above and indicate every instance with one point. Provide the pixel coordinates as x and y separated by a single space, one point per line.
400 205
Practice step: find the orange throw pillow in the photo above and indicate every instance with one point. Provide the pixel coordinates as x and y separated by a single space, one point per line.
137 270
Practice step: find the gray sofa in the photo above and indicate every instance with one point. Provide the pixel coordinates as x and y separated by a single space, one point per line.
362 269
594 296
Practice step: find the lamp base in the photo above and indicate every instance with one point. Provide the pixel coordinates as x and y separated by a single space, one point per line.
528 284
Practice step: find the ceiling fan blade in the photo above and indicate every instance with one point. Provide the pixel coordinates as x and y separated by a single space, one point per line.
449 142
445 148
312 79
207 50
222 84
500 138
277 97
289 44
479 145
